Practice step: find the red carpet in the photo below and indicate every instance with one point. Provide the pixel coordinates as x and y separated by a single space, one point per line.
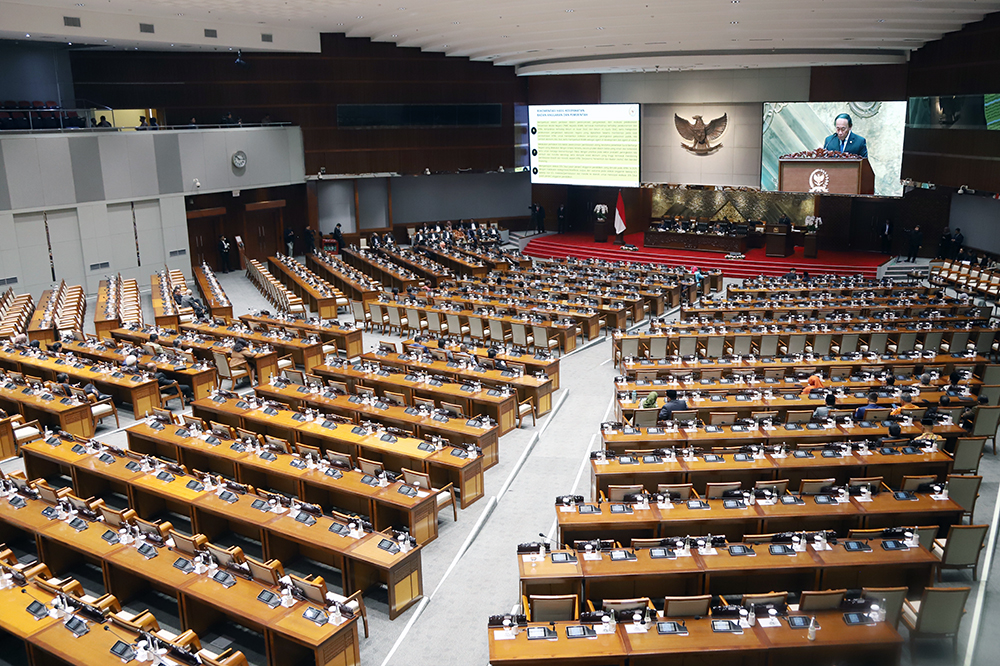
583 246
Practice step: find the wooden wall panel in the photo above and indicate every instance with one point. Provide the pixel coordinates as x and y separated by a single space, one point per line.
305 89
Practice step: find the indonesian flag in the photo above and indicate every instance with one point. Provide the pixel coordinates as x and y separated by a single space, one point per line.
620 215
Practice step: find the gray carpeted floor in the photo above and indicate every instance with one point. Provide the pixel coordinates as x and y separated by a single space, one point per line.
449 627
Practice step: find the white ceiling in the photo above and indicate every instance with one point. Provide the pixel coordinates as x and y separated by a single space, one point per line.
538 37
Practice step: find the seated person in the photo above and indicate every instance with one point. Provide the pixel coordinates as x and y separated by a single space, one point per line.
822 412
649 401
163 380
925 380
237 360
895 434
815 381
890 382
906 402
932 409
155 344
61 385
859 413
498 363
928 436
56 347
670 406
953 379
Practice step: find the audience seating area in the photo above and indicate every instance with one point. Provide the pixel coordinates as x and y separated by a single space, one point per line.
15 311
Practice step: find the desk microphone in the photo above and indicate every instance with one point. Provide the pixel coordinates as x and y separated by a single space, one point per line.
25 591
128 641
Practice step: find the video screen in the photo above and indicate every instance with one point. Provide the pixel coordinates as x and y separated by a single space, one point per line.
966 112
872 129
588 144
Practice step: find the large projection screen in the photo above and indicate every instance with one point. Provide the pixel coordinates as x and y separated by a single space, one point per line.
588 144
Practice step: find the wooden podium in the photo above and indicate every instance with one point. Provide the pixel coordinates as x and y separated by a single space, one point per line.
778 240
826 176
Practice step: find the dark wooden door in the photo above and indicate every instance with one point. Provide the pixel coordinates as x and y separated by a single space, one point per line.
203 235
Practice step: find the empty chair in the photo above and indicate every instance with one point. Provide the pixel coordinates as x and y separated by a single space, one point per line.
396 321
848 343
932 341
455 326
877 343
798 416
906 342
715 347
542 339
776 486
526 408
742 345
476 330
686 606
938 614
445 495
822 343
618 493
985 424
796 344
643 418
498 335
625 605
769 346
964 490
414 322
549 607
767 598
295 376
914 482
890 599
961 548
520 334
872 482
435 325
361 317
658 347
817 600
715 490
814 486
968 453
683 490
687 345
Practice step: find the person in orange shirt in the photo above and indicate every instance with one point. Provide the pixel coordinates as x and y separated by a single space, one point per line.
814 382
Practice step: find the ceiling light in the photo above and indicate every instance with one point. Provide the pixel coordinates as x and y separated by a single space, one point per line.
361 17
80 4
69 43
27 35
600 28
734 23
394 35
570 11
455 22
444 46
181 14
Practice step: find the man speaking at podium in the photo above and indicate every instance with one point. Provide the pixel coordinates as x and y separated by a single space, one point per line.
844 140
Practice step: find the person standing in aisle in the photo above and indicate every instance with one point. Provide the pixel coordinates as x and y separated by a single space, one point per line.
223 254
916 239
290 241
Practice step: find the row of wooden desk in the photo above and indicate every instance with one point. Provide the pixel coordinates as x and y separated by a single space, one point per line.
796 434
653 469
289 638
352 282
616 575
212 293
627 522
533 363
429 270
449 465
151 494
616 314
818 288
55 412
142 394
264 363
307 353
347 337
387 273
322 298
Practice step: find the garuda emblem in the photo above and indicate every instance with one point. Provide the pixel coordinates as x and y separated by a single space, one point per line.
701 134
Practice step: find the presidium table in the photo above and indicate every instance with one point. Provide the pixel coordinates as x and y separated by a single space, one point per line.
705 242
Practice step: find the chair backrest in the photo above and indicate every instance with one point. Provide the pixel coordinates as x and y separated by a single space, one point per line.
774 373
985 424
620 605
877 415
295 376
742 344
645 417
963 545
394 398
964 490
417 479
796 343
683 490
684 415
687 345
873 482
813 486
715 490
549 607
776 486
890 599
721 418
914 482
932 341
370 466
658 347
618 493
358 308
849 343
496 330
222 364
877 342
189 545
817 600
769 346
968 453
686 606
267 573
941 609
520 334
768 598
798 416
475 327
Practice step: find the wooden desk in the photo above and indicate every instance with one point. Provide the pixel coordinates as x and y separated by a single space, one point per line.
526 385
532 363
347 337
201 380
212 293
264 364
42 325
142 394
386 272
71 416
304 353
283 537
603 650
500 407
748 470
321 299
679 240
354 283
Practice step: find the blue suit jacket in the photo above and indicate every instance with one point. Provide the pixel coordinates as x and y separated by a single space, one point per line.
856 145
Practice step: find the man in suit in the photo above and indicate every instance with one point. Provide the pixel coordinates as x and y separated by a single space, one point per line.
223 254
670 406
844 140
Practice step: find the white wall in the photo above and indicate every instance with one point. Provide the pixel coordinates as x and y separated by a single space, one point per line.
979 219
335 199
736 163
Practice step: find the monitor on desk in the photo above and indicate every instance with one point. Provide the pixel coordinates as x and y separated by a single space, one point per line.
314 590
